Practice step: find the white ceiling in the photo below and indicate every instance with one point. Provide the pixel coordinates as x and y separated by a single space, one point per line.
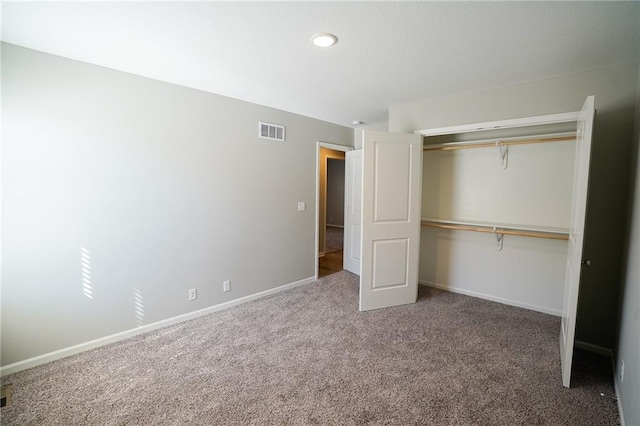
388 52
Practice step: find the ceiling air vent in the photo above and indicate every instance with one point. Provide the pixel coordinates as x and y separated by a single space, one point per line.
270 131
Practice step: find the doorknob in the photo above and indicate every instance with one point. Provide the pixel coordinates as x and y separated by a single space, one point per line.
586 262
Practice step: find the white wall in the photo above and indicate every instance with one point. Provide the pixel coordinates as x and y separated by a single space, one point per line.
152 188
471 185
527 272
629 339
615 92
357 132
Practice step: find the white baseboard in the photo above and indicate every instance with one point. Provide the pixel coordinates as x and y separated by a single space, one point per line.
72 350
616 386
600 350
510 302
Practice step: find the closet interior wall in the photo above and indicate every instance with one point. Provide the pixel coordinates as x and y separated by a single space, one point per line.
472 186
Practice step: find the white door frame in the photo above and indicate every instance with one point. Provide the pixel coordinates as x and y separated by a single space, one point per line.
335 147
352 212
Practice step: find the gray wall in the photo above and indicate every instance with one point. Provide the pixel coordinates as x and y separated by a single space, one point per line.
335 192
152 188
615 92
629 341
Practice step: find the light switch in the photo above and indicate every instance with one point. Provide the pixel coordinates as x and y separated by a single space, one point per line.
302 206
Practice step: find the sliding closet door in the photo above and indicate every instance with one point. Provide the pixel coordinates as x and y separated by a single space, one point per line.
392 180
576 235
353 212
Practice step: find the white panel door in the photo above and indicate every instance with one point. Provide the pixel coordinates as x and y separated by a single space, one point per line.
391 192
576 235
353 212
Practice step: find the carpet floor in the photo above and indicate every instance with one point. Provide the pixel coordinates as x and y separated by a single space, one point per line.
307 356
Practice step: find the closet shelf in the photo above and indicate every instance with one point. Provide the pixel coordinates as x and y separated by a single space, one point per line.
485 143
499 228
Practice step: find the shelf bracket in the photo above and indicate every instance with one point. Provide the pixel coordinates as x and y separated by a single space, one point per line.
499 239
503 152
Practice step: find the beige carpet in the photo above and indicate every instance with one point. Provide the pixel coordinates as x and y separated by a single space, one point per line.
307 356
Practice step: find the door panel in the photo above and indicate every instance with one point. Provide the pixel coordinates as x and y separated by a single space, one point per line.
353 211
390 263
391 191
576 237
393 183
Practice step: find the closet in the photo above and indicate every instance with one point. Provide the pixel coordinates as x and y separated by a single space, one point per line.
516 192
494 210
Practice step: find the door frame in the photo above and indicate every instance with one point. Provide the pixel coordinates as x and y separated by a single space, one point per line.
353 162
335 147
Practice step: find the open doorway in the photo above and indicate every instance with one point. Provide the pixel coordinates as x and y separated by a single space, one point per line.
330 213
332 260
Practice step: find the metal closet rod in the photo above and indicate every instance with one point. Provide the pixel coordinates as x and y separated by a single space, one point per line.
497 141
497 230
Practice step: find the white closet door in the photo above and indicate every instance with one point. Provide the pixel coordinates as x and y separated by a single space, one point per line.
576 235
392 179
353 212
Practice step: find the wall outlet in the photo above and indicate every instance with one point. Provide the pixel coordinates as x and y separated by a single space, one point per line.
226 286
6 393
192 294
302 206
621 371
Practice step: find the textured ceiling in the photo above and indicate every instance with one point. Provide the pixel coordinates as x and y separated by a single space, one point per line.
388 52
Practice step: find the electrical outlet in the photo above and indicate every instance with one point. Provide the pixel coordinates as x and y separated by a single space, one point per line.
226 286
192 294
621 371
6 393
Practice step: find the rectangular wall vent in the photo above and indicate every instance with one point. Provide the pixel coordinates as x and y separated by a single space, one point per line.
270 131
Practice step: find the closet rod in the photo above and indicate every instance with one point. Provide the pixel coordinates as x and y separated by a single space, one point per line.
497 230
503 142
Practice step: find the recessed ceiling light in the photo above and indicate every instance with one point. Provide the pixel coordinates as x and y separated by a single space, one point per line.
324 39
